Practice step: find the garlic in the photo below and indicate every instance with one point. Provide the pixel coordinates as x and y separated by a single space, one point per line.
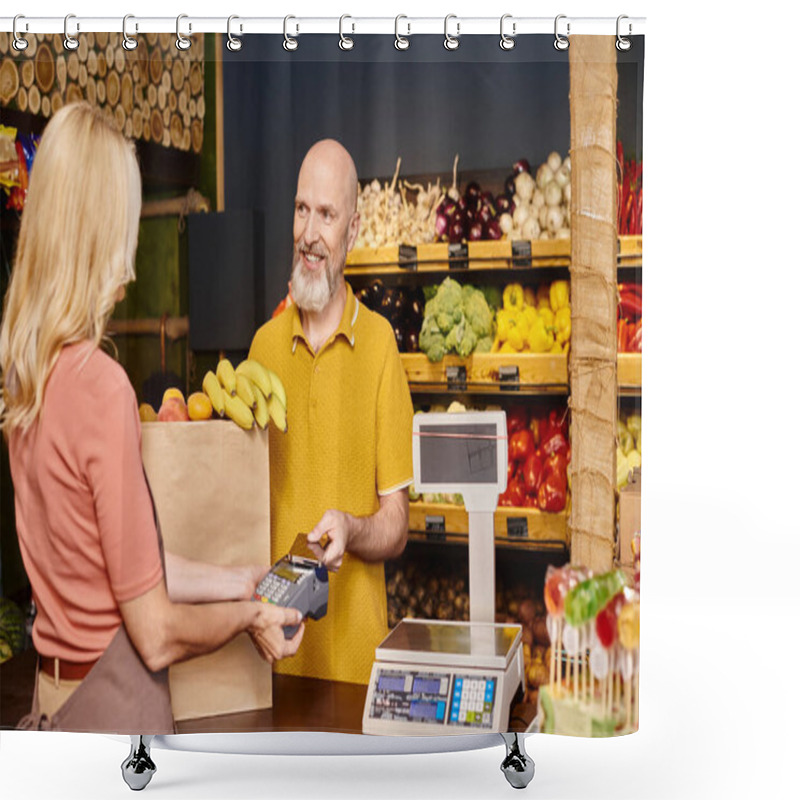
554 219
531 229
552 194
524 185
543 176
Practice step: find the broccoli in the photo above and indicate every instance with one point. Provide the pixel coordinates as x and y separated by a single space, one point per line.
454 337
493 295
431 340
484 345
467 343
479 315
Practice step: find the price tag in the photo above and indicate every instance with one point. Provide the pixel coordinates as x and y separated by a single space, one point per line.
517 527
407 257
457 253
434 527
521 253
509 377
456 378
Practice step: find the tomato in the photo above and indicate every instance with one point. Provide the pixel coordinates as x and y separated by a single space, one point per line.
521 445
532 472
516 419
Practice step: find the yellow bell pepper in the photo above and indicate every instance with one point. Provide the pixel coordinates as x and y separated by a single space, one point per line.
543 296
517 337
503 324
506 347
529 295
540 340
529 315
556 348
513 296
559 294
563 324
546 313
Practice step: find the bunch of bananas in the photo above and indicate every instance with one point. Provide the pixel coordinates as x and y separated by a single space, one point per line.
250 395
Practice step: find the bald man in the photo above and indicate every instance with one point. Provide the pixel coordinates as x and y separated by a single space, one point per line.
342 470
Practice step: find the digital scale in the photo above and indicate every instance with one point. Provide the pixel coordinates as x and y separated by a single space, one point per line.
432 677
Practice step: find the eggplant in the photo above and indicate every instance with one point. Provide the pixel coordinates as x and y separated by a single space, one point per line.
475 231
411 342
399 336
521 166
399 306
416 311
376 295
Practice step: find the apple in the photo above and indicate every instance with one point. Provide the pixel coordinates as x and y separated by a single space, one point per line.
173 410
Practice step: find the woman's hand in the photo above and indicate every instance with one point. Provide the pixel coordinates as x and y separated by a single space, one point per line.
266 631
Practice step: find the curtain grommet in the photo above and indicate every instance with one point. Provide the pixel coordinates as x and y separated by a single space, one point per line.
451 42
561 42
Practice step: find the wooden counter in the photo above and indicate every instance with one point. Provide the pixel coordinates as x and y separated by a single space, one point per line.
300 704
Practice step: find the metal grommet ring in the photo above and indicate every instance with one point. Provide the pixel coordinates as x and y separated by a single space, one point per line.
400 42
623 44
451 42
234 44
19 43
345 42
507 42
561 42
127 42
182 43
288 42
70 43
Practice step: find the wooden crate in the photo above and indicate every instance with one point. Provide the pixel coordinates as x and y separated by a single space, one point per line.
528 525
629 370
489 255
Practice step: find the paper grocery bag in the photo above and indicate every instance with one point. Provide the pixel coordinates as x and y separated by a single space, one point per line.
210 483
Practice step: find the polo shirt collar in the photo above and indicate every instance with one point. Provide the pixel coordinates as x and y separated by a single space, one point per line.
346 323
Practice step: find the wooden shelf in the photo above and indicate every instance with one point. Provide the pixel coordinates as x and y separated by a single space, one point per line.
482 255
528 526
629 370
523 370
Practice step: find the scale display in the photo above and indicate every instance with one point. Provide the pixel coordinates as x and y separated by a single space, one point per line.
467 454
434 698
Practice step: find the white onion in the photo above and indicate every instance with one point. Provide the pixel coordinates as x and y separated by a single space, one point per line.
567 192
552 194
521 213
562 233
538 198
554 219
524 185
543 217
562 177
543 176
506 223
567 164
544 235
531 229
554 161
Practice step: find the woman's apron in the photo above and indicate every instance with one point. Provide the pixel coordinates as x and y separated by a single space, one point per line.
118 695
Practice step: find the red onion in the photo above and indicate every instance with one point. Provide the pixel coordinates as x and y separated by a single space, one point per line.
456 232
492 229
521 166
475 232
442 224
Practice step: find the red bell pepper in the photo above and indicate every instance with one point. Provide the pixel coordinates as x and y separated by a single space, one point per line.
521 445
555 464
622 336
531 500
511 471
635 343
552 495
550 425
555 444
516 419
515 493
532 472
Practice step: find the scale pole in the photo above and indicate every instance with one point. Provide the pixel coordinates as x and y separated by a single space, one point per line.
481 566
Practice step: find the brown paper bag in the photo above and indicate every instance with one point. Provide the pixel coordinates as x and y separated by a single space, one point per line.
210 483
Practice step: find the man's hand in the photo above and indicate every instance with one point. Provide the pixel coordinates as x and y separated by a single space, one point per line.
267 631
338 527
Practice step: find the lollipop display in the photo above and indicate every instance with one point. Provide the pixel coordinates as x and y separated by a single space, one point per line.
593 621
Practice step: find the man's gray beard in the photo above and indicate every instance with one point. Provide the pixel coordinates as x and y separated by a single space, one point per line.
313 294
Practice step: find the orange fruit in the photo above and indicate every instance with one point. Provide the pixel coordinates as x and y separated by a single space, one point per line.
173 392
199 406
147 413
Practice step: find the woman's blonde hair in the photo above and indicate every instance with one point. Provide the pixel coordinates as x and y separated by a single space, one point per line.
76 248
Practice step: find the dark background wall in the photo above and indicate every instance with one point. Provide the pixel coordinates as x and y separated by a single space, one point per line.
426 104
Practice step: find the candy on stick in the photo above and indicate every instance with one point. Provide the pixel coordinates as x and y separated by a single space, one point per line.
628 629
584 601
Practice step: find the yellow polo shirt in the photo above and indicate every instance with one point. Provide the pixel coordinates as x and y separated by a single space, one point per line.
348 441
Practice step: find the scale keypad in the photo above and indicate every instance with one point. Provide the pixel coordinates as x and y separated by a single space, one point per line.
473 701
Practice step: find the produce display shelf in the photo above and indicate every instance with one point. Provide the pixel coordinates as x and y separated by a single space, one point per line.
629 371
482 255
523 526
498 370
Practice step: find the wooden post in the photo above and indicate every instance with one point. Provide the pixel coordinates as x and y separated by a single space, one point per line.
593 277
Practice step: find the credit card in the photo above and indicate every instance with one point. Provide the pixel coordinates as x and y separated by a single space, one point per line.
302 549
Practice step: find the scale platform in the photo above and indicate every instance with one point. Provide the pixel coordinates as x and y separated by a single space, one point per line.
434 677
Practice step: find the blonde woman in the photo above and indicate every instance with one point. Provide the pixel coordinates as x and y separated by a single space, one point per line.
106 626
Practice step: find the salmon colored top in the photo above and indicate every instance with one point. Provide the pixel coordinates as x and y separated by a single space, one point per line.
84 518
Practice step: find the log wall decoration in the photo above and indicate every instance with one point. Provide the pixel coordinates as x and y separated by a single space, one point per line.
154 92
593 287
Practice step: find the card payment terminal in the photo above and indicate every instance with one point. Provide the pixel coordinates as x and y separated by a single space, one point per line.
298 581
